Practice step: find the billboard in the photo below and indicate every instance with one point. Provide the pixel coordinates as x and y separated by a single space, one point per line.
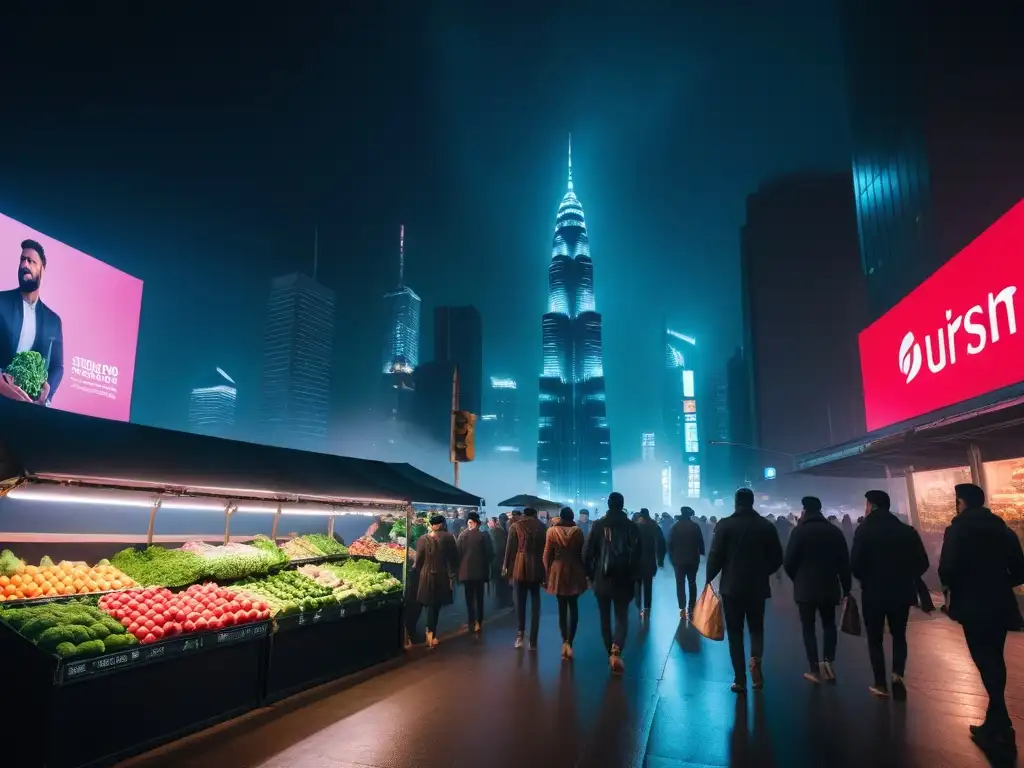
79 315
955 336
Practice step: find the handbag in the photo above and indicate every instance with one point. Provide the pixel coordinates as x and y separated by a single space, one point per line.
850 620
707 614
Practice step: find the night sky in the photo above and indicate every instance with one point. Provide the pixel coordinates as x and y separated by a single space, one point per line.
197 150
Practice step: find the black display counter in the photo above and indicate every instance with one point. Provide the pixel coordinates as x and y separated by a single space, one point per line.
95 711
311 649
98 710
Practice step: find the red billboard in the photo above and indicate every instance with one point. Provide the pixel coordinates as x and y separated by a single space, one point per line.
955 336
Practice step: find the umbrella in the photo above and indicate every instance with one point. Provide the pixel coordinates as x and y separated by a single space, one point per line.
527 500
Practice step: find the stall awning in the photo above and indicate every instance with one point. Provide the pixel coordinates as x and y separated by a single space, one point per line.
435 491
996 428
42 444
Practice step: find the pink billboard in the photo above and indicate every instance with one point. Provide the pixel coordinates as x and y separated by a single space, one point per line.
69 326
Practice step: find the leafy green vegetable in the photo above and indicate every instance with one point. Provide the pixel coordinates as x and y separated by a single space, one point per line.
28 369
157 566
9 564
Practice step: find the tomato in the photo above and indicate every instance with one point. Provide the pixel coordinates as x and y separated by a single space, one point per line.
215 625
193 616
202 624
188 626
265 614
149 638
220 601
125 622
218 611
118 614
158 633
149 624
159 620
253 615
180 615
207 614
227 619
241 616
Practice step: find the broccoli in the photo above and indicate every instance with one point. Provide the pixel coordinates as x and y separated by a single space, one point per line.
66 649
90 648
37 626
54 636
28 369
99 631
115 642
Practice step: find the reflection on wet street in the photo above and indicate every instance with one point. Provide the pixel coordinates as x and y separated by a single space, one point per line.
479 703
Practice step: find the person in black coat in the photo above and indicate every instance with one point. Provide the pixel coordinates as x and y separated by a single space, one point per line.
652 557
818 563
476 558
611 559
746 551
685 549
887 558
437 562
980 564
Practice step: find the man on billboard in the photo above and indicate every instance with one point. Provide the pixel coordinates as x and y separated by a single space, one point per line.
28 325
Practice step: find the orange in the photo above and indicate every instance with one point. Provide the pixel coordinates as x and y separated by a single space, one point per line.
16 580
4 581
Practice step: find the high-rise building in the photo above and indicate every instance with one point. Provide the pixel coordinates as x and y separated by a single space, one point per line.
742 454
718 473
211 410
574 457
432 405
402 333
459 340
500 425
401 353
804 304
682 413
298 351
937 150
647 447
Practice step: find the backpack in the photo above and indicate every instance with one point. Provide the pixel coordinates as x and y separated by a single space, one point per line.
616 555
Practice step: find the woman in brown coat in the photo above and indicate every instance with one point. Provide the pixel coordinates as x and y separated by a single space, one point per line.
567 579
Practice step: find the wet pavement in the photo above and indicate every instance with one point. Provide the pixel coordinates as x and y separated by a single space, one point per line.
477 702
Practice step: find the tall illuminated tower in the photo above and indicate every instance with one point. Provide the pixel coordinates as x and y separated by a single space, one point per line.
682 413
574 458
401 352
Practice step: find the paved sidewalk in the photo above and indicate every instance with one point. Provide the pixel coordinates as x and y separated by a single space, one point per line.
477 703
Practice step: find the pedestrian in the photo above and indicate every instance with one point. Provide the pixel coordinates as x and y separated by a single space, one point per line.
476 557
437 561
980 564
846 525
666 522
524 565
611 557
746 551
685 548
566 576
652 557
818 562
457 525
584 522
499 538
887 559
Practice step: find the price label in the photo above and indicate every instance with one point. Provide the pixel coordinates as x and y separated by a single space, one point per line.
74 670
157 652
318 615
193 644
302 619
342 613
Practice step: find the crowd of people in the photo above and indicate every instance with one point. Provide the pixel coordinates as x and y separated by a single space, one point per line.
618 557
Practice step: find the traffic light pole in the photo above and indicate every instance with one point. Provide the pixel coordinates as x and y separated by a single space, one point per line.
455 407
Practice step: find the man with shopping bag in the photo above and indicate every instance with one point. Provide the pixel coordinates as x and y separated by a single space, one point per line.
746 551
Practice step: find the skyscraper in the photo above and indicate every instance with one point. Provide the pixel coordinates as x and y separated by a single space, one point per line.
501 425
647 451
574 460
401 352
682 412
297 356
211 410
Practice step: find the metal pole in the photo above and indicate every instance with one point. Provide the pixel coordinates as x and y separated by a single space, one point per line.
152 522
908 473
828 410
455 407
977 466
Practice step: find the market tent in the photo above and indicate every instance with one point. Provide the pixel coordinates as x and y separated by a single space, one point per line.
44 444
438 491
529 500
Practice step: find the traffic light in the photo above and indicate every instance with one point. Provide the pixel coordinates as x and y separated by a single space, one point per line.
463 426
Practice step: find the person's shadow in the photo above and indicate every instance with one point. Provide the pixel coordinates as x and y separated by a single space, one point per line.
688 638
750 746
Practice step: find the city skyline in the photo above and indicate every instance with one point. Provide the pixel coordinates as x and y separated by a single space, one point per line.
574 462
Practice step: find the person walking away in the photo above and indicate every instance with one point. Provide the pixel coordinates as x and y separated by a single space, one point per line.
980 564
499 538
611 558
437 561
887 559
846 525
746 551
524 564
566 577
666 522
818 563
652 557
476 558
685 548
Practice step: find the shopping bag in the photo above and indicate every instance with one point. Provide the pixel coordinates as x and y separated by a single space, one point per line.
924 597
707 615
850 621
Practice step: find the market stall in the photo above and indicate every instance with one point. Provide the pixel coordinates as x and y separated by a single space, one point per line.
180 621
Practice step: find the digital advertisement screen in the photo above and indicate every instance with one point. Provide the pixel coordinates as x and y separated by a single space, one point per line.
954 337
69 326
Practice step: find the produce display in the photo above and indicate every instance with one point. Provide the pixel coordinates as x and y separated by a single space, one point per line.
286 593
419 528
156 566
364 578
151 615
313 545
390 553
363 547
267 545
232 561
28 371
75 627
19 581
